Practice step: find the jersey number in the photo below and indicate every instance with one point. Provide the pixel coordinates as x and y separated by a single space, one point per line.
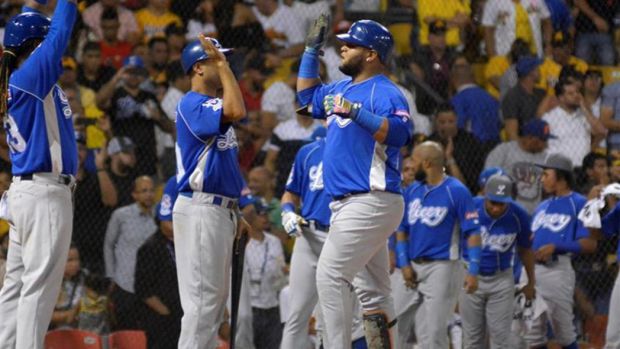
14 139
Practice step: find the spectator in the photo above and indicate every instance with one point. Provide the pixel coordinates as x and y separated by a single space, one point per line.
94 313
432 64
454 12
113 49
264 263
287 138
178 85
592 88
156 278
595 24
155 17
507 20
159 54
499 65
521 103
176 41
92 73
262 182
71 291
129 227
252 82
520 159
610 116
135 112
561 57
237 25
594 171
282 27
128 27
561 17
408 172
309 11
122 169
95 196
476 109
202 22
573 125
463 165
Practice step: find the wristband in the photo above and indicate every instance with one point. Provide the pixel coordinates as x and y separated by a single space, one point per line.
568 246
369 121
41 2
402 257
309 66
474 252
288 207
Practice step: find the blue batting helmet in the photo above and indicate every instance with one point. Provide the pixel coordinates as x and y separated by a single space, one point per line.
193 52
370 34
25 26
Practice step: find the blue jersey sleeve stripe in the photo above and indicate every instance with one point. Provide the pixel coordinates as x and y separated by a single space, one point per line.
27 92
190 129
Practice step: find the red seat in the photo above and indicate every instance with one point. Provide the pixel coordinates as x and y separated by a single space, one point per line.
127 340
74 339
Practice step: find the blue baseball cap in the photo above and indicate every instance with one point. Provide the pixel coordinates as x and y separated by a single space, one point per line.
526 64
486 174
164 208
499 188
537 128
133 61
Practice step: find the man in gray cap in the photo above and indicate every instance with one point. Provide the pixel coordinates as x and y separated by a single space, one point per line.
504 226
558 235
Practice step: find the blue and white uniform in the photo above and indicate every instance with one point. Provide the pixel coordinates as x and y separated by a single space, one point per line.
209 184
43 152
490 307
555 222
363 178
436 220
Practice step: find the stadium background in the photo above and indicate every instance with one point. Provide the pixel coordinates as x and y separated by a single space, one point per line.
122 133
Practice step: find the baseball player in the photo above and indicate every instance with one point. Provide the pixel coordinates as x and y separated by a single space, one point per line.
504 224
38 124
439 213
558 235
209 182
368 123
305 188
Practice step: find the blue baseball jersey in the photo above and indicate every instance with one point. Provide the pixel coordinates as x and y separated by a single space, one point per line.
306 181
555 220
168 198
206 148
436 218
610 224
39 125
500 236
354 162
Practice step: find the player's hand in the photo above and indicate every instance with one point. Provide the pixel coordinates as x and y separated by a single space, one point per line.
212 52
292 223
101 156
601 24
336 104
411 278
470 284
544 253
317 35
529 291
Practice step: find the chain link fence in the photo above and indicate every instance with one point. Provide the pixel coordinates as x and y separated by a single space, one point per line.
470 73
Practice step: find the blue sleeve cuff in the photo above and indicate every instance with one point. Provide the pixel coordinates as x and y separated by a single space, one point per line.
288 207
402 257
304 97
369 121
568 247
309 66
475 253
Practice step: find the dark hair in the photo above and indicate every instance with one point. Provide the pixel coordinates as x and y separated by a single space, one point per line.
174 71
109 13
155 40
590 159
10 59
519 49
97 283
444 108
567 176
569 72
174 29
91 46
560 87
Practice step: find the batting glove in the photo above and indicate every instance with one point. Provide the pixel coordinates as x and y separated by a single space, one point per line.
292 223
338 105
611 189
318 34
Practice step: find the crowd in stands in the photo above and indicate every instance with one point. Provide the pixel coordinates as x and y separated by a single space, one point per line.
499 83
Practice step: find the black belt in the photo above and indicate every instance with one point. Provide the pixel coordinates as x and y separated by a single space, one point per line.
344 196
424 260
62 179
319 226
492 272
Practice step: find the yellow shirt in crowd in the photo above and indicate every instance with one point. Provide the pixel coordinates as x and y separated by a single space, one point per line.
445 9
496 66
550 72
523 29
153 25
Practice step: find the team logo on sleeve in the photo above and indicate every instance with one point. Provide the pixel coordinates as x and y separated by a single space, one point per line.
166 205
431 216
214 103
316 177
227 140
556 222
404 115
496 242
